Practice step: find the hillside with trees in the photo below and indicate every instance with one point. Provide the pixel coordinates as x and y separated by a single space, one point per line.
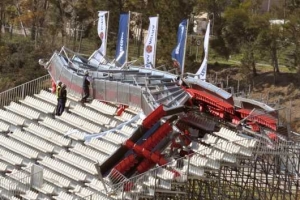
246 50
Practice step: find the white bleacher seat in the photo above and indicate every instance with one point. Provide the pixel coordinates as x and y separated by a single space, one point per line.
200 148
214 164
83 192
48 135
49 97
102 145
89 153
12 118
32 141
46 189
7 194
30 195
198 161
18 148
56 125
4 127
23 110
151 181
96 184
3 166
79 123
10 157
64 196
125 116
165 174
126 130
11 184
209 139
102 107
196 171
227 146
93 116
63 169
56 179
21 176
77 161
134 110
164 184
38 104
115 138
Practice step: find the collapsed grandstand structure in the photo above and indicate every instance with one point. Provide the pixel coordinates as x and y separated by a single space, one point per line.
144 135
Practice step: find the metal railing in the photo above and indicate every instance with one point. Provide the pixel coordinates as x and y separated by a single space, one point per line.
21 91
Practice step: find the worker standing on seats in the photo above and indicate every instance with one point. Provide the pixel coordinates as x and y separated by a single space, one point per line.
58 87
62 99
86 87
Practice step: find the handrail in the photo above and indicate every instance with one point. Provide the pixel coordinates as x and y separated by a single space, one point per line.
21 91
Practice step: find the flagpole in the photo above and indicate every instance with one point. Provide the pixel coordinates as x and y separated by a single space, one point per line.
154 60
127 45
106 34
184 48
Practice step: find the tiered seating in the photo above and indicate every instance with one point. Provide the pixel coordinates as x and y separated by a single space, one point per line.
77 161
165 174
114 138
12 118
56 179
125 116
48 135
38 104
3 127
102 145
23 110
94 116
49 97
82 191
96 184
79 123
63 169
209 139
196 171
11 185
3 166
64 196
46 189
233 137
62 128
32 141
18 148
10 157
103 107
30 195
126 130
89 153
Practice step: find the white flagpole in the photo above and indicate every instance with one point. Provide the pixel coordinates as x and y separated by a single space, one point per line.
106 34
154 60
128 26
186 35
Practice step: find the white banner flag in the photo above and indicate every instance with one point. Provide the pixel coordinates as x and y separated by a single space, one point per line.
150 44
102 33
201 73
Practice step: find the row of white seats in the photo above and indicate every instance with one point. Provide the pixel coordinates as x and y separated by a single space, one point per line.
49 97
94 116
103 107
46 188
20 176
19 148
48 135
115 138
96 185
199 161
30 195
89 153
196 171
222 156
11 157
11 184
56 179
151 182
65 196
126 130
102 145
4 127
165 174
233 137
209 139
133 109
200 148
32 141
125 116
63 169
79 123
38 104
23 110
77 161
3 166
81 191
12 118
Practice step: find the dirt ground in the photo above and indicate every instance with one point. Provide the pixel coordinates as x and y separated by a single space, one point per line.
281 92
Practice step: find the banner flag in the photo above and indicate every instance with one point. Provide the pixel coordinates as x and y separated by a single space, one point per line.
179 52
102 33
201 73
122 42
150 44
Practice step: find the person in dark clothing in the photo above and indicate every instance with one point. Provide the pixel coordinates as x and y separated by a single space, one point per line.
57 92
62 99
86 87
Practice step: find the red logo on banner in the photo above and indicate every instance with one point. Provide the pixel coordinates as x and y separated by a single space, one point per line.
149 49
101 35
